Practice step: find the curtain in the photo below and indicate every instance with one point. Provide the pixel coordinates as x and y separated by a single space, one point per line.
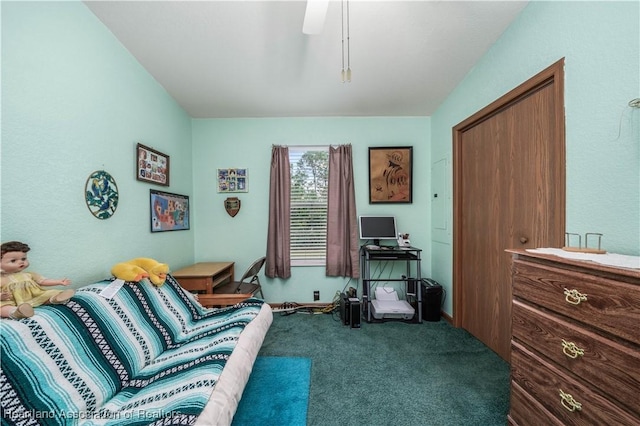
342 226
278 264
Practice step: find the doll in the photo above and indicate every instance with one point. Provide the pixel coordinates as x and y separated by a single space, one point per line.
21 291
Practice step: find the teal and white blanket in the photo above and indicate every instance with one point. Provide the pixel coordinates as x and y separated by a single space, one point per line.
150 355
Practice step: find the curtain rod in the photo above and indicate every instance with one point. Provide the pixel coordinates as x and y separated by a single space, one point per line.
311 146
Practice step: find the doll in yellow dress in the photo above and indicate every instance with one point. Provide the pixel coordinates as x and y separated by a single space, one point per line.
21 291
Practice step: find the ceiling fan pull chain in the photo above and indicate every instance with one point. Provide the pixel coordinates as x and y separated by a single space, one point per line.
348 47
342 29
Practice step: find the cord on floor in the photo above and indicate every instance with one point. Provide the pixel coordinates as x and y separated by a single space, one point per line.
288 308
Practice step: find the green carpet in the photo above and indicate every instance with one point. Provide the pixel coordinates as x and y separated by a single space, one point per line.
277 393
393 373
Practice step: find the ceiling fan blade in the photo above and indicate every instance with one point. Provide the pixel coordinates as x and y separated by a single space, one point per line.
314 16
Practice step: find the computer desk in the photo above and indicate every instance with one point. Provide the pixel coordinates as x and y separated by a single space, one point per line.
409 255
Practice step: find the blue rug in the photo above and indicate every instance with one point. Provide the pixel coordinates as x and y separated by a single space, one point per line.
277 393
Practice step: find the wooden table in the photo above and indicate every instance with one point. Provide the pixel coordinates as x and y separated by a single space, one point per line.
204 276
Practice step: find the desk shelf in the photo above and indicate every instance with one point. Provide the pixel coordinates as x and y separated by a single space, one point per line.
410 255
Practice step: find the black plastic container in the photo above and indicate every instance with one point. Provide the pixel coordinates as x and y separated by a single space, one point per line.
431 300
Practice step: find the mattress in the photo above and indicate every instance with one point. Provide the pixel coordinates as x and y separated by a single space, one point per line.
227 392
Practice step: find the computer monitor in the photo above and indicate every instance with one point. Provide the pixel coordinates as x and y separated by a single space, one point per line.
376 228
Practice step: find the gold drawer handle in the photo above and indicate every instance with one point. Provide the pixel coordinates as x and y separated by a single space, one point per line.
571 350
569 403
574 296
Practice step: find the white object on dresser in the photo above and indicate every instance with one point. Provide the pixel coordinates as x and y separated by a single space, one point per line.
610 259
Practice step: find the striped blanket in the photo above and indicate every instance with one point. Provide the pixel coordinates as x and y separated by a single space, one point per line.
150 355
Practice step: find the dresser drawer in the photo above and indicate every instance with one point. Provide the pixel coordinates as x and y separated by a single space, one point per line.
608 305
607 365
560 394
525 410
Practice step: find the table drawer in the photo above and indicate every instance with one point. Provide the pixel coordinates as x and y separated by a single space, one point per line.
560 394
605 364
195 284
608 305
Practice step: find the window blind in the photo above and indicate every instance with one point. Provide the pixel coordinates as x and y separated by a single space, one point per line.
309 180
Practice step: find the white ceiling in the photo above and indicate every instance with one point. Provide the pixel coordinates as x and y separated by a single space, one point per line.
251 59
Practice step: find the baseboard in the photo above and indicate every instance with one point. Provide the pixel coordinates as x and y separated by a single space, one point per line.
447 317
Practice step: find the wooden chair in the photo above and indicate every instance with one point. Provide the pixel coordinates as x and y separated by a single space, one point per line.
248 286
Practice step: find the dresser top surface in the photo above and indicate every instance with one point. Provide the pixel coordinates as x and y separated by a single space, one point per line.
586 265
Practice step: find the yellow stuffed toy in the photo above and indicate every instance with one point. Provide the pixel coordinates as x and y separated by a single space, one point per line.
139 268
157 271
128 272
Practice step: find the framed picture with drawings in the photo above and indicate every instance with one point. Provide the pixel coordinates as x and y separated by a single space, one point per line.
233 180
152 166
391 175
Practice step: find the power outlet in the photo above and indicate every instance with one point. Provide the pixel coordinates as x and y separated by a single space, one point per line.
316 295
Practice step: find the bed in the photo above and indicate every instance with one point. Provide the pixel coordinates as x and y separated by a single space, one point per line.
226 395
148 355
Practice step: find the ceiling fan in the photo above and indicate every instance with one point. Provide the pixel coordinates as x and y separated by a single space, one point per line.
314 16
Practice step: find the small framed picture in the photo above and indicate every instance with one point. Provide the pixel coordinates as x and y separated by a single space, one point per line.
233 180
390 175
169 212
152 166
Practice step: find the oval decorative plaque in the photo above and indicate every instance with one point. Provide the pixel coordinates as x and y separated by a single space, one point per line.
101 194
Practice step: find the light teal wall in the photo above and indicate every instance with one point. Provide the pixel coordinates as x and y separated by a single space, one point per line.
246 143
601 44
75 101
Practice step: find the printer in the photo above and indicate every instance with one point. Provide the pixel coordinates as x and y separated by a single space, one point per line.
386 305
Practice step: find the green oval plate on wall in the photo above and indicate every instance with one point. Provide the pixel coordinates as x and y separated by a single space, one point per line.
101 194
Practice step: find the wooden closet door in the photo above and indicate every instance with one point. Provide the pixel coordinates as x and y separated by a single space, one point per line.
508 193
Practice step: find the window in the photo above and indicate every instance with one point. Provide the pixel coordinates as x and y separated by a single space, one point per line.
309 182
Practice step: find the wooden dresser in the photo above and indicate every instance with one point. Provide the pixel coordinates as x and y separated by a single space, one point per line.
575 348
